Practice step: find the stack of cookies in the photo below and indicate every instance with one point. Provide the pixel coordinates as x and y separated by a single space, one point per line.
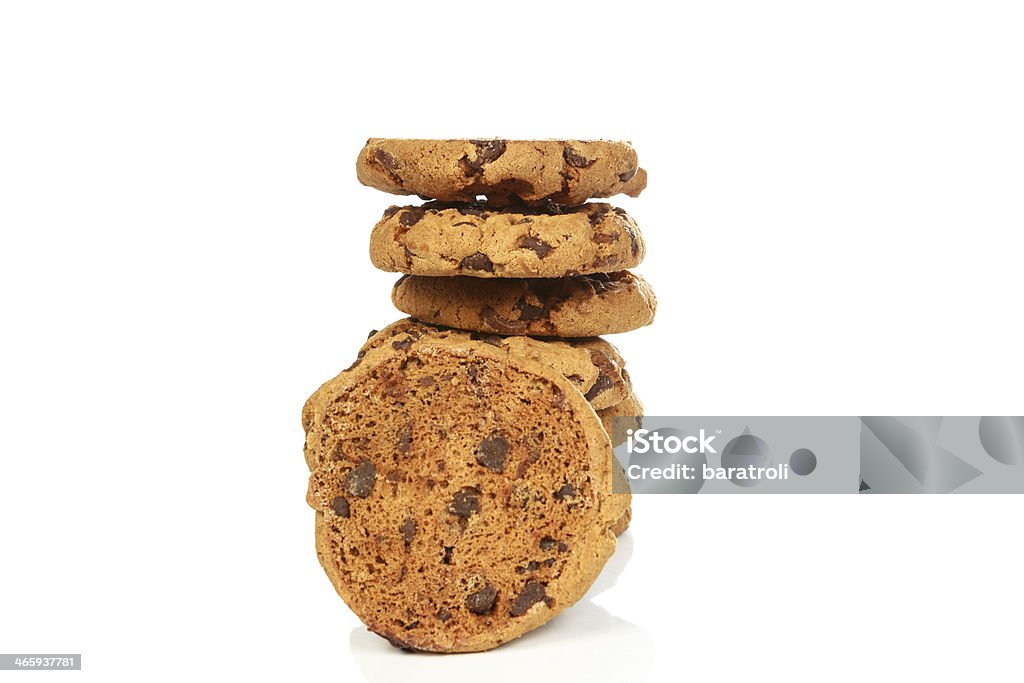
462 468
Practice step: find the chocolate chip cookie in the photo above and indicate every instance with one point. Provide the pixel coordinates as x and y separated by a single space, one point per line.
592 365
504 171
629 407
484 241
462 491
582 306
616 429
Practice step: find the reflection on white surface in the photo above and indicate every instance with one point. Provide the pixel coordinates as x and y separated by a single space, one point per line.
586 642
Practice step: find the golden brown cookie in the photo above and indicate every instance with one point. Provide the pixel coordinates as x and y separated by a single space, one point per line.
462 492
505 171
582 306
629 407
616 430
593 365
481 240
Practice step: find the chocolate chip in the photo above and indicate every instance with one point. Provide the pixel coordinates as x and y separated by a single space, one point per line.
536 245
411 216
340 507
489 150
373 332
634 244
486 152
567 491
408 530
359 481
531 566
575 159
492 339
602 283
605 238
492 452
482 601
547 543
605 365
628 175
529 311
603 383
404 439
596 217
357 361
495 321
396 641
532 593
472 210
465 503
443 615
477 261
385 159
427 381
447 557
402 344
390 211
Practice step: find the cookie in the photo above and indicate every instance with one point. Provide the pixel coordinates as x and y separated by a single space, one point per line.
484 241
461 491
504 171
582 306
630 407
592 365
622 523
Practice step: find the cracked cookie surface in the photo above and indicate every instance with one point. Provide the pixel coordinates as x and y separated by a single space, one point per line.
504 171
461 490
484 241
582 306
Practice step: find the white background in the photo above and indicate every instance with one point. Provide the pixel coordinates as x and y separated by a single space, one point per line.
834 223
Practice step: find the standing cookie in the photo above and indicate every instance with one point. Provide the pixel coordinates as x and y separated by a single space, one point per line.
505 171
461 491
